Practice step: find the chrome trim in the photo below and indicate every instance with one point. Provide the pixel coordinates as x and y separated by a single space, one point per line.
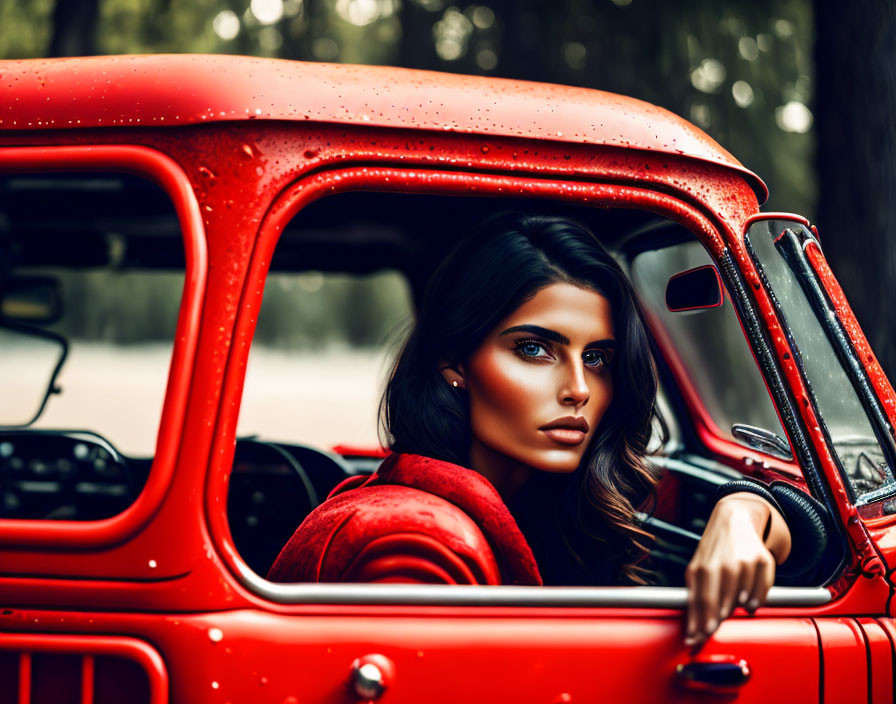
456 595
762 440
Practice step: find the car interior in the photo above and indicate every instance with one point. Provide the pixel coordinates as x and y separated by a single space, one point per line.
122 223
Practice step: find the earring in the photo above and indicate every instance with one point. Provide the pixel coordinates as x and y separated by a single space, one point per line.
454 384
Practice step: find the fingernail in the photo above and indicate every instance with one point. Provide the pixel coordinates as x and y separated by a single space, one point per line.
711 625
742 599
753 605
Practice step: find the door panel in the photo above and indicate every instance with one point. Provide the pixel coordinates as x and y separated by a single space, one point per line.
880 652
520 657
844 661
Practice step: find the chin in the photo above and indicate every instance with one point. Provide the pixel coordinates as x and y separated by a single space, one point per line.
557 461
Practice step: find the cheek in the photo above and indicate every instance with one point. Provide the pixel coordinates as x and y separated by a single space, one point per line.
505 394
601 397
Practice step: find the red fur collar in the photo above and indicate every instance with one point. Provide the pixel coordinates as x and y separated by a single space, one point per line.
475 496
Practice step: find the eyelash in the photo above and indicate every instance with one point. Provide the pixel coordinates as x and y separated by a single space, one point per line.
520 344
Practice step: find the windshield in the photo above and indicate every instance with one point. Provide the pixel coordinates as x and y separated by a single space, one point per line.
847 418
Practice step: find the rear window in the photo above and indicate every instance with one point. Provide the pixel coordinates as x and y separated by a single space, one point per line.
93 263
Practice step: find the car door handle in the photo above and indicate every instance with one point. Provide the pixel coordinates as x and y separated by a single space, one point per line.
713 673
371 676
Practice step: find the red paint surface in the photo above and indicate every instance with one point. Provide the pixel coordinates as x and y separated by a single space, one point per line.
880 664
264 658
248 177
27 645
122 91
845 675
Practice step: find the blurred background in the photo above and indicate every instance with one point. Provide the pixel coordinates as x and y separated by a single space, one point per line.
802 92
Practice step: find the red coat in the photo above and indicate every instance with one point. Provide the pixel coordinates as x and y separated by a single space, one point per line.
415 520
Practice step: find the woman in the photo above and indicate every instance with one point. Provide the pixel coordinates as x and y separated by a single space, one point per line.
519 413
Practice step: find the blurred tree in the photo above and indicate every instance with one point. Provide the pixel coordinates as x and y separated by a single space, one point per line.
855 54
74 28
743 71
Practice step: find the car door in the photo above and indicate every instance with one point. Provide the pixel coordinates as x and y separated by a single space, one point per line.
549 644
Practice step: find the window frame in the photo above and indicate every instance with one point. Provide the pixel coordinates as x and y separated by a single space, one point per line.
818 299
152 165
420 180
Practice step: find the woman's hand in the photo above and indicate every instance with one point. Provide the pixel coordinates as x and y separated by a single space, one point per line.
734 564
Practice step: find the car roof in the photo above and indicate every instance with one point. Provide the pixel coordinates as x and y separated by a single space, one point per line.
183 89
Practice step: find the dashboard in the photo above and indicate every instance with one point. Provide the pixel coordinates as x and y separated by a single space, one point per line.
78 475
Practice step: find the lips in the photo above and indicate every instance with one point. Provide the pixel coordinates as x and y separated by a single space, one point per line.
566 431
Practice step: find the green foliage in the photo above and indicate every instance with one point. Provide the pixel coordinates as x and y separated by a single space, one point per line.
733 69
314 310
24 28
730 68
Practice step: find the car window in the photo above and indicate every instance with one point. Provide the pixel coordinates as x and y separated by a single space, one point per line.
120 326
841 412
322 349
709 342
117 269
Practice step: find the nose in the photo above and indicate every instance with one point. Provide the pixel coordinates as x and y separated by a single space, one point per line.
574 390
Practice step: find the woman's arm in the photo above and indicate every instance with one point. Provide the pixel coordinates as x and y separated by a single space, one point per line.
734 564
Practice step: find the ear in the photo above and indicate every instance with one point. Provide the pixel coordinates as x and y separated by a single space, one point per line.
453 374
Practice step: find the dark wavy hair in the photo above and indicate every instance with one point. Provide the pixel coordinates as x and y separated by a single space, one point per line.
582 528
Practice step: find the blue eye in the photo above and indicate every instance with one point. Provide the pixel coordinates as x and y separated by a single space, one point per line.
531 349
594 358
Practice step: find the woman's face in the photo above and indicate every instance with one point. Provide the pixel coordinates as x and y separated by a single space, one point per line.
540 382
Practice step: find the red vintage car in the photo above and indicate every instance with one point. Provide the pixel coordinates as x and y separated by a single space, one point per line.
156 202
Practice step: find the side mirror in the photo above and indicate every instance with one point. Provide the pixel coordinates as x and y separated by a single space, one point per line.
32 359
30 299
694 289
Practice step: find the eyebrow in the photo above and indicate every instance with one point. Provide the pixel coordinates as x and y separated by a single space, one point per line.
554 336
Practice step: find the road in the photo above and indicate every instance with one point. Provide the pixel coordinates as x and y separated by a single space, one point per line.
316 399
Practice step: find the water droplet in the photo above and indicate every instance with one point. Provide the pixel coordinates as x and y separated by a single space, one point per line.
206 172
248 152
215 685
215 635
153 564
311 153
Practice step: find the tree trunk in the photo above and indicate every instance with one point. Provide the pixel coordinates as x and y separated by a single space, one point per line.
416 48
855 115
74 28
